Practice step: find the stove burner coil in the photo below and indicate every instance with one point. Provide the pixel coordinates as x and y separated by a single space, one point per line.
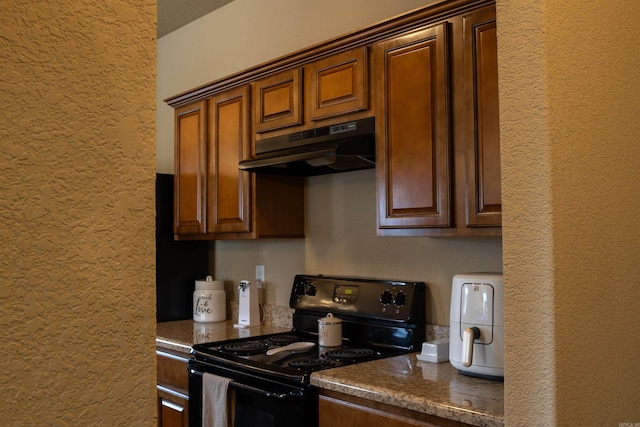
245 348
311 363
349 354
280 340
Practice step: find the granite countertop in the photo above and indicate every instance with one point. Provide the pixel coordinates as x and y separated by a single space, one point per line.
180 335
432 388
403 381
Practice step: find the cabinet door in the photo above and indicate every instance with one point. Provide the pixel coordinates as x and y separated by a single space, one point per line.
190 167
358 412
482 130
338 84
336 413
228 188
413 152
173 383
278 101
173 409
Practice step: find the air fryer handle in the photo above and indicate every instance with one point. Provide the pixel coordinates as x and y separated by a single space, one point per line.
468 336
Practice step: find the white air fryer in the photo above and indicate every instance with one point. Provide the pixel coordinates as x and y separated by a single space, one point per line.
476 341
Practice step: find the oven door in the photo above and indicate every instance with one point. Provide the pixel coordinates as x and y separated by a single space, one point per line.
255 401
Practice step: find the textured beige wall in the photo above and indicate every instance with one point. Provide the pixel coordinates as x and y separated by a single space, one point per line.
340 222
77 139
569 89
527 206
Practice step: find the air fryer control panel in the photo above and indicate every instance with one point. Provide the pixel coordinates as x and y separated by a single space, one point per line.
389 300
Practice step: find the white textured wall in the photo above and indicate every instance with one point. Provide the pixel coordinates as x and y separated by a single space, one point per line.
341 209
77 297
569 76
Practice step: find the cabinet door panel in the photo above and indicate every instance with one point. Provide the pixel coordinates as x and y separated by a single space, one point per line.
335 412
229 189
173 410
484 206
278 101
413 130
190 155
339 84
172 390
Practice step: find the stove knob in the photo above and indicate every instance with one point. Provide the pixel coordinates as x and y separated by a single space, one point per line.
400 299
299 289
386 297
311 290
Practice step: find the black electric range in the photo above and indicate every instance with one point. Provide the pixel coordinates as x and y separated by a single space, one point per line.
380 318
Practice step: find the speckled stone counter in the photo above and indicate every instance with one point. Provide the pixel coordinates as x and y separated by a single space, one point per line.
180 335
435 389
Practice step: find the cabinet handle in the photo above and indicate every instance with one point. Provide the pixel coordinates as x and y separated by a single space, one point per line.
267 393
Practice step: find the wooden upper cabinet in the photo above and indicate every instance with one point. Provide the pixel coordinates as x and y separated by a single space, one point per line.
413 150
215 199
484 206
338 84
278 101
190 168
229 139
430 79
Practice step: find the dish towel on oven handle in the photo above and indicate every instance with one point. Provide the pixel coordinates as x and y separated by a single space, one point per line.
214 400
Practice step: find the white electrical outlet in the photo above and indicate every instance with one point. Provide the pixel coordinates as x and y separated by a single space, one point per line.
260 273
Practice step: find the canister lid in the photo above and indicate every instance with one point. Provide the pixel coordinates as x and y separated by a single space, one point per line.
210 284
329 320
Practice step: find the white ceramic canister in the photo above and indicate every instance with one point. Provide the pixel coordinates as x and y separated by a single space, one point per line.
329 331
209 301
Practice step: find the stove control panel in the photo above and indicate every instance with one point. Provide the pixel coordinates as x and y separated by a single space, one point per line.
390 300
346 293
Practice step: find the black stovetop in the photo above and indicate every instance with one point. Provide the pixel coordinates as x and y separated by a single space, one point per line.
251 352
380 319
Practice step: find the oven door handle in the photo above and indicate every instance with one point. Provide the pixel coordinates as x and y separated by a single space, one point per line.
297 394
267 393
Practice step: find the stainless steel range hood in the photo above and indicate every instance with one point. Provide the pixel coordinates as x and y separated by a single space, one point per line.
331 149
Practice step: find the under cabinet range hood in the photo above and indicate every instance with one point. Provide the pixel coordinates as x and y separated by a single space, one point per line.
331 149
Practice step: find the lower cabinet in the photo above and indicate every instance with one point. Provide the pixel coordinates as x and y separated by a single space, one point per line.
173 386
341 410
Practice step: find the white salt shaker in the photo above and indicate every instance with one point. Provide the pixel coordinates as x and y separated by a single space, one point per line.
209 301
